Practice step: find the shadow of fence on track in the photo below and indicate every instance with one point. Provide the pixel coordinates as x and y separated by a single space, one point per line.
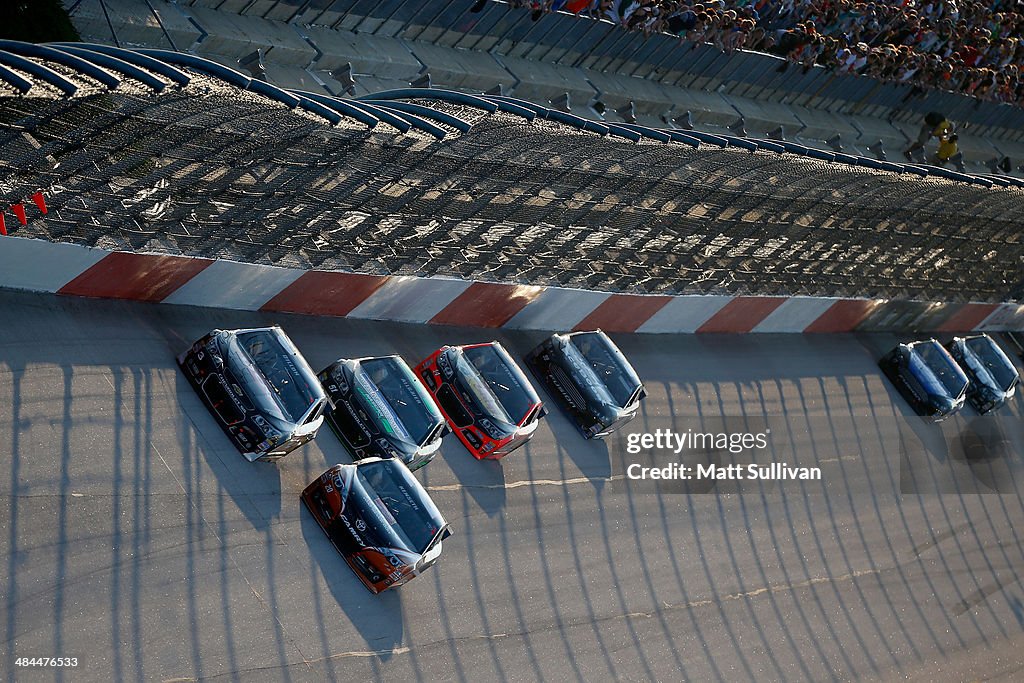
847 578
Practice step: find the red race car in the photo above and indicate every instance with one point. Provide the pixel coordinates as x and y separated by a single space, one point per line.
484 396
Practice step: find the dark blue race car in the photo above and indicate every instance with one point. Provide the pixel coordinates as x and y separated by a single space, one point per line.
596 384
928 377
993 377
259 387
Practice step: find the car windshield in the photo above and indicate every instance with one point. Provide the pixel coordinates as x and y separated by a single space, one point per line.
608 364
476 389
281 387
396 506
490 377
938 361
994 360
390 387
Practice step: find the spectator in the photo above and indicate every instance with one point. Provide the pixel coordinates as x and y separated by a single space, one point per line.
935 125
947 149
578 6
973 47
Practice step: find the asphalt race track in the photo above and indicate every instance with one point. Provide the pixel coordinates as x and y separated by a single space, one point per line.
138 540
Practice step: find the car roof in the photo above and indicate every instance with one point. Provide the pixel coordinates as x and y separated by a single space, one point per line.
937 361
400 470
617 355
514 368
302 366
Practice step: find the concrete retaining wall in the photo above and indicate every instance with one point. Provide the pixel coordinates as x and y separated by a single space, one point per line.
40 266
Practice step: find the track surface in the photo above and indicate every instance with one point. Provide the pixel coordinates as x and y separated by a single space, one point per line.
136 539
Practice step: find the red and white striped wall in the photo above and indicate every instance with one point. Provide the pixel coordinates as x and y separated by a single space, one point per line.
68 269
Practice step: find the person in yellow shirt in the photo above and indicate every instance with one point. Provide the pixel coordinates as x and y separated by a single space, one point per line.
935 125
947 148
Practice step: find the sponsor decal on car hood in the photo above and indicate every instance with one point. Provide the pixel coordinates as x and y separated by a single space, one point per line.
372 399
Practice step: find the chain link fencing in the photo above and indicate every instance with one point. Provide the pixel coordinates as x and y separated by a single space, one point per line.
215 172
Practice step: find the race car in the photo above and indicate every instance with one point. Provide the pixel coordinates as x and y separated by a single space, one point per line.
993 377
379 409
380 518
259 387
595 382
928 377
484 396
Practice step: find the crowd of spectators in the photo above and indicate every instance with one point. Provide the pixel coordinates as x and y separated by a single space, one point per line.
966 46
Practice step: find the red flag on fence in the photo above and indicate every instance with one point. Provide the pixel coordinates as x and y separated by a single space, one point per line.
40 202
19 211
3 225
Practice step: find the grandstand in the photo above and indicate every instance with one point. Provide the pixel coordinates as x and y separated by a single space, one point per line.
592 68
931 45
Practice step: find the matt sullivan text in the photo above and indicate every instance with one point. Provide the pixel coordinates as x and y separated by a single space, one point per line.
775 471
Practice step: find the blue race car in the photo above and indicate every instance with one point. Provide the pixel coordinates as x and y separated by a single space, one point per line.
993 377
928 377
